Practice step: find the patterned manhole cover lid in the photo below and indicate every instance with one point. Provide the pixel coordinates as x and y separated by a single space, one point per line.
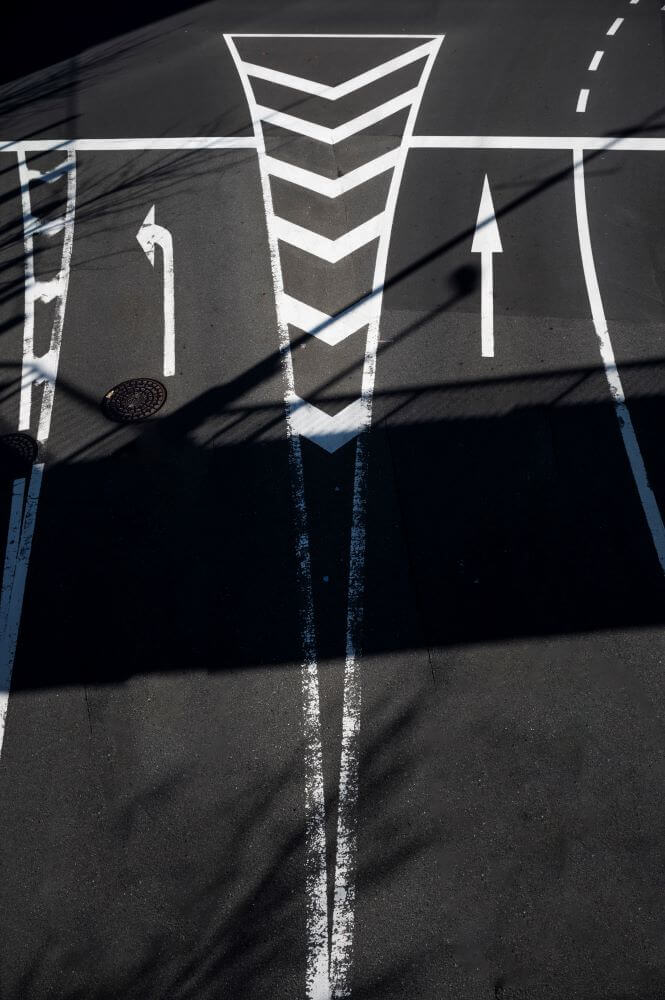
135 399
17 453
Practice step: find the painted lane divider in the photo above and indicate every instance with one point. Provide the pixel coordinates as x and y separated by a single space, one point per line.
582 101
614 27
148 235
487 242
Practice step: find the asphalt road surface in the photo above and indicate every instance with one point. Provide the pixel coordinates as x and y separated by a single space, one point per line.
341 674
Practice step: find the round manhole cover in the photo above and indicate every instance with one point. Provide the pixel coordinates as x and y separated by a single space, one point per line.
135 399
17 454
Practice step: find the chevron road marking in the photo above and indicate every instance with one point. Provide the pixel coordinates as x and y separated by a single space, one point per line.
330 250
330 329
334 135
334 93
331 187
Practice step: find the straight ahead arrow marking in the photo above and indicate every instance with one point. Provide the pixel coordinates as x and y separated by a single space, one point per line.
486 242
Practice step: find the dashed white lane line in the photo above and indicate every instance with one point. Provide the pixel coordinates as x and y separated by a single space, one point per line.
614 27
648 500
581 100
595 62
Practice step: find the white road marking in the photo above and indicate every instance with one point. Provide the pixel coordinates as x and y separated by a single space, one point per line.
331 187
487 242
330 329
11 551
638 144
331 93
329 432
9 634
342 132
320 246
647 498
614 27
316 889
148 235
595 62
341 951
568 143
582 100
43 369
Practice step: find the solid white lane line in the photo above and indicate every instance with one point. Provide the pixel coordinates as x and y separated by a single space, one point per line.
638 469
316 887
595 62
331 93
334 135
9 636
614 27
567 143
582 100
331 187
331 251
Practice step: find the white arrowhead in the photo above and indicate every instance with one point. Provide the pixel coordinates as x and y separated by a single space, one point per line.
146 236
486 238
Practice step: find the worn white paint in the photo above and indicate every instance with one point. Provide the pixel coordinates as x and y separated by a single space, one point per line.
316 891
614 27
43 369
149 235
595 62
631 445
486 242
11 618
582 101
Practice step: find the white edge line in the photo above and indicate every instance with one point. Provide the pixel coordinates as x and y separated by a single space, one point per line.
631 445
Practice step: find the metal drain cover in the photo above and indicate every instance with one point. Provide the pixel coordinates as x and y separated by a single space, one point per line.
135 399
17 454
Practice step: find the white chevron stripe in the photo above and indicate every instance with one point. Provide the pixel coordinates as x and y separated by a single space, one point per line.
341 89
328 432
329 250
330 329
331 187
344 131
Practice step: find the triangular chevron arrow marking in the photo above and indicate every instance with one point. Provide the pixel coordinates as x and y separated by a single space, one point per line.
330 433
486 238
330 329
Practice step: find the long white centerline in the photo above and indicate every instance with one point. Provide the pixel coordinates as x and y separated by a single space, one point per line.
638 469
595 62
317 975
344 887
614 27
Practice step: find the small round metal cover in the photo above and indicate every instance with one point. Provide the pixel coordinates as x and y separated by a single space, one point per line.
133 400
17 453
